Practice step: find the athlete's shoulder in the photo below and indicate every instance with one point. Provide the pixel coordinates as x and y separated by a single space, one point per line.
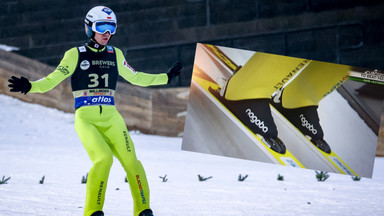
80 48
117 49
71 53
119 53
72 50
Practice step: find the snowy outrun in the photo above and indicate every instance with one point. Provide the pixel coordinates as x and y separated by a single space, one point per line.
36 141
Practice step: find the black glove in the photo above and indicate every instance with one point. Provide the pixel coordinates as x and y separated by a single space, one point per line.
19 84
174 70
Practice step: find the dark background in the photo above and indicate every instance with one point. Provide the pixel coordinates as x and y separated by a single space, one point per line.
155 33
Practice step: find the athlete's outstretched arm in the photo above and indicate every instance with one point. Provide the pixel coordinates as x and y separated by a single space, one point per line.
141 78
65 69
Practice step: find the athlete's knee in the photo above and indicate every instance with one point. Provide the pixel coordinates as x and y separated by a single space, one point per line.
132 165
103 160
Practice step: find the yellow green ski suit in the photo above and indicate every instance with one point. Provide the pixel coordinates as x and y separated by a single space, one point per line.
265 73
98 124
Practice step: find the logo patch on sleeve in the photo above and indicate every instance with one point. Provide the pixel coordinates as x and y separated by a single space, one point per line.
129 67
63 69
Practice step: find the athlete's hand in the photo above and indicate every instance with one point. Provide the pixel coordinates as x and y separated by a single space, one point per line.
174 70
19 84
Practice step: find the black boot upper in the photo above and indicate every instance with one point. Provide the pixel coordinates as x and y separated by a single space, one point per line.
146 212
98 213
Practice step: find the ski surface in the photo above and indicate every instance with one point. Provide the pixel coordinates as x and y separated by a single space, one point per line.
287 130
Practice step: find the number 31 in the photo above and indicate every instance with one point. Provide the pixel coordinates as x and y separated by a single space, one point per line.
94 80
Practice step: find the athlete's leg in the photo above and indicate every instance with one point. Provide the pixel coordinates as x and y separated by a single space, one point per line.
299 100
316 81
248 92
101 156
262 75
124 150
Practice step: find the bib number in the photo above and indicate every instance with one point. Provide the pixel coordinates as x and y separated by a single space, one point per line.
94 80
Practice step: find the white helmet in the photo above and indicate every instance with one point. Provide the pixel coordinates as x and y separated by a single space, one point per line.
100 19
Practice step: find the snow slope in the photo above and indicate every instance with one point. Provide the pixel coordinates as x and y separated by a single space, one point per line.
37 141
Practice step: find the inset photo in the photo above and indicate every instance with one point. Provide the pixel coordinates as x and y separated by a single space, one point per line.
277 109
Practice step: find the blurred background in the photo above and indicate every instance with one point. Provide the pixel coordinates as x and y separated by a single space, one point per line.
155 33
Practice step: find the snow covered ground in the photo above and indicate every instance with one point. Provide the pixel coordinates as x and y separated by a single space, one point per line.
36 141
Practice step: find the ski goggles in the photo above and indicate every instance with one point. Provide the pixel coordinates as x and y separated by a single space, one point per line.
103 27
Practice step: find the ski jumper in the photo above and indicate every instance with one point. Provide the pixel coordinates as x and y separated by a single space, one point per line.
98 124
265 73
